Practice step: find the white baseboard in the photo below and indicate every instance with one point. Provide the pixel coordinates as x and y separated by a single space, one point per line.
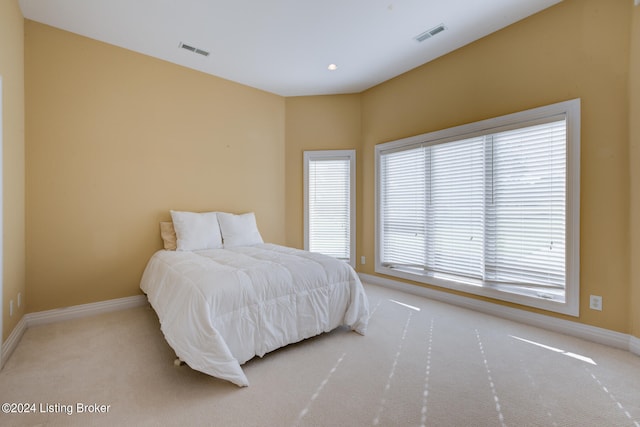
62 314
634 345
84 310
12 341
590 333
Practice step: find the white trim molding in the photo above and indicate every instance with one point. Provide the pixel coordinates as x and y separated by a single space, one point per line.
575 329
62 314
12 341
84 310
591 333
315 157
404 248
634 342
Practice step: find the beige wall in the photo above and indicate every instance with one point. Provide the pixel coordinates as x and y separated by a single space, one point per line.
634 169
115 140
317 123
553 56
577 49
13 163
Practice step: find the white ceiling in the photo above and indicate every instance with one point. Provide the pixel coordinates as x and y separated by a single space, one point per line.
285 46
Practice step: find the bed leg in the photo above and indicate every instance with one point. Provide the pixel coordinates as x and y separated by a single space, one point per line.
178 362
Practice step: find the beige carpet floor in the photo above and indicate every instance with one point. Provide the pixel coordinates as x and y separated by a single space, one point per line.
422 363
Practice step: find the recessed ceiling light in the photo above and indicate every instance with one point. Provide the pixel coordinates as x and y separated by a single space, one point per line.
332 67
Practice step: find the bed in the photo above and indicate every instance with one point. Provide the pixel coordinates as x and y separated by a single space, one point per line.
221 306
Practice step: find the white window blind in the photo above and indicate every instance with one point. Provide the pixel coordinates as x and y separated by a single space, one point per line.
526 213
455 208
404 208
329 203
487 209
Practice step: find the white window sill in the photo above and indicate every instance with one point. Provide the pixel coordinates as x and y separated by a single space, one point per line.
568 305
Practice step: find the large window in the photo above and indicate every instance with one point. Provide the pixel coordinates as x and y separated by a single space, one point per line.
490 208
329 190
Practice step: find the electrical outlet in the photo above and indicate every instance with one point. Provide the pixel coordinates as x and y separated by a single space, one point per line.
363 260
595 302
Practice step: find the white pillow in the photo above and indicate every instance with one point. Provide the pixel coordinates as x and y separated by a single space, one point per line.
196 231
239 230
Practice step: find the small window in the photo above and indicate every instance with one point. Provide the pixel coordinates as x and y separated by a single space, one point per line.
329 195
490 208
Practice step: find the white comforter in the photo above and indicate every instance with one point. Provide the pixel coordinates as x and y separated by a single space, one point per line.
219 308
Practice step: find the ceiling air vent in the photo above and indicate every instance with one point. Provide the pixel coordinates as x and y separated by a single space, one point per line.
430 33
194 49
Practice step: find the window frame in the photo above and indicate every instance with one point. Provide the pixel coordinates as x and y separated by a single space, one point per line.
571 110
312 155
